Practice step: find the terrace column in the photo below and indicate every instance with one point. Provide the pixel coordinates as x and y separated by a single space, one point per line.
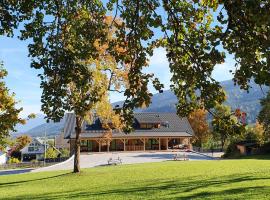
189 144
159 144
108 145
167 143
143 144
99 146
124 144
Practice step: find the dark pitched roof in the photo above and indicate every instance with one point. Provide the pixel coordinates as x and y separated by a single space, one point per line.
70 124
147 118
170 125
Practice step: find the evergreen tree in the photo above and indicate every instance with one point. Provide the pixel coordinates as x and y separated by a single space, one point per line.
264 115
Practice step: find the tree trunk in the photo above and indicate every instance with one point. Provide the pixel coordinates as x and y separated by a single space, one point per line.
200 142
222 143
78 130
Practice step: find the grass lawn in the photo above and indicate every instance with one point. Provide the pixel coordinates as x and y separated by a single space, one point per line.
227 179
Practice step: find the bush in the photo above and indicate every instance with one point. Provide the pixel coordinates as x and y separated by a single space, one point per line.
13 160
51 153
65 153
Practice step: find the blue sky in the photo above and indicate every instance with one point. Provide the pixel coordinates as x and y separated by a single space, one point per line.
24 82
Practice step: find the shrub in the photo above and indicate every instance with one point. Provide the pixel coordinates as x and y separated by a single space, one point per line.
265 149
13 160
51 153
34 161
65 153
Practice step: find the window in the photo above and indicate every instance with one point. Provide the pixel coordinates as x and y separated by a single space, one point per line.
142 125
31 149
149 126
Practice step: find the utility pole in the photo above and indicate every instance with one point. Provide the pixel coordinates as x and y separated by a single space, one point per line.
45 144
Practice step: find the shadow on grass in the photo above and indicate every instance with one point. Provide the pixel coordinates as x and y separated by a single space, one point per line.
255 157
251 192
32 180
160 189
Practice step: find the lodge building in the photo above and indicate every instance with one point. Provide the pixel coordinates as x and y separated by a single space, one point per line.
152 131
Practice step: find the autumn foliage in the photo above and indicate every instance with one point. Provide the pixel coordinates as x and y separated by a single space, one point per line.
198 122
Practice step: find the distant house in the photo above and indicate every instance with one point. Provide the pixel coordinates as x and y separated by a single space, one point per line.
3 157
152 131
33 151
247 147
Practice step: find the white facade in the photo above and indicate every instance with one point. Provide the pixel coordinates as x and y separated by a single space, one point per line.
34 151
3 158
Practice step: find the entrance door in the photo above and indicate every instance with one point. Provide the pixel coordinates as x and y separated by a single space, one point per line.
153 144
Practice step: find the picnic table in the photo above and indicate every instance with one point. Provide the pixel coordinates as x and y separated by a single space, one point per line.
116 161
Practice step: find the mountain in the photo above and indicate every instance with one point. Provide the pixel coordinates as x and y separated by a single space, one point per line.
51 129
37 127
165 102
248 102
39 119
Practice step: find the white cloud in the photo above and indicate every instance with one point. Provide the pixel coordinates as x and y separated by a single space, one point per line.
159 66
159 58
222 71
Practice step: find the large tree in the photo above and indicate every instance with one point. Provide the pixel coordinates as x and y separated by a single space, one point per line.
79 68
75 44
195 34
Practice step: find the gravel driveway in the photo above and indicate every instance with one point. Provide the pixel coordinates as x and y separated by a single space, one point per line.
99 159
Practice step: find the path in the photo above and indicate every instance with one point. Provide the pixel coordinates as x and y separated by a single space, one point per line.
99 159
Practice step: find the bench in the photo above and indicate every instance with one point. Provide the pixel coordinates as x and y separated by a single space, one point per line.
117 161
178 156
